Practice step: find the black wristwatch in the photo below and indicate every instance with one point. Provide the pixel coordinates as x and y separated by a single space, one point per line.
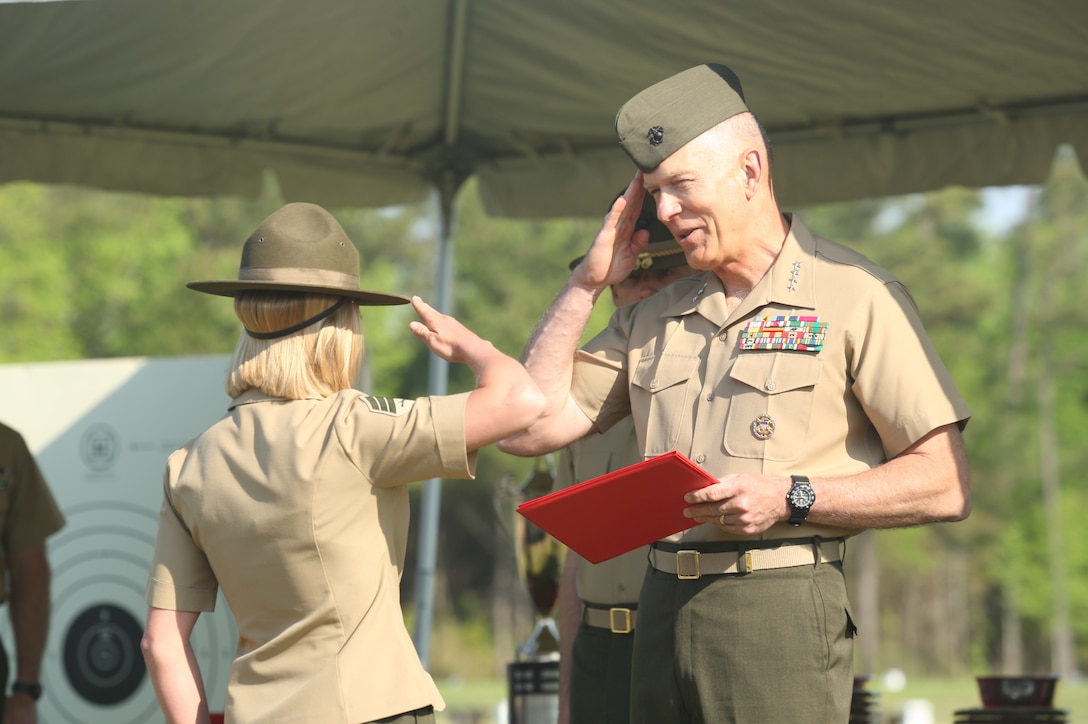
800 499
34 691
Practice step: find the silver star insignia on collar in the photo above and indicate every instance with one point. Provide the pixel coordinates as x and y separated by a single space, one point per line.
794 276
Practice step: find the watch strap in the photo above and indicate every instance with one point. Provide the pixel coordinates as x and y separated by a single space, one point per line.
797 515
34 691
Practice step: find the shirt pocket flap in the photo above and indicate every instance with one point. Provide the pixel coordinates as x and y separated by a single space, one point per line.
776 373
659 372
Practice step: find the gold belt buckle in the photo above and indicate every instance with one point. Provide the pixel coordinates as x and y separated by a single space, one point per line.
687 565
623 615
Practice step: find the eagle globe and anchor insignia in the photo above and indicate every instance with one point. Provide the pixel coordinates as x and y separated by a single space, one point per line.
763 427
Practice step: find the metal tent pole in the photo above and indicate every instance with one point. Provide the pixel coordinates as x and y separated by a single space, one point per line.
437 384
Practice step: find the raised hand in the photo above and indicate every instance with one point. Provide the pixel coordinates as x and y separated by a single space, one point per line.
617 245
443 335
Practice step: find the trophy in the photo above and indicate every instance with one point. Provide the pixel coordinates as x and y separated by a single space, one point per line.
534 677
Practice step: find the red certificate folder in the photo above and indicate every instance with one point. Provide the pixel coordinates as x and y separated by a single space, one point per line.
621 510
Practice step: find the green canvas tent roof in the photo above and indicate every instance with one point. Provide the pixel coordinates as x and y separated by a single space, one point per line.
368 102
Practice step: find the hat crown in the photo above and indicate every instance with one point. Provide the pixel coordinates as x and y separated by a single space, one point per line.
299 236
300 247
658 121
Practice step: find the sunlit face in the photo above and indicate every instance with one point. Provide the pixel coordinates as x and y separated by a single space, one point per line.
642 284
700 195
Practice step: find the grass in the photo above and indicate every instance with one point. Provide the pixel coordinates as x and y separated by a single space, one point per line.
475 702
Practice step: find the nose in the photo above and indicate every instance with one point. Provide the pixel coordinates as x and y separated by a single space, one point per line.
667 206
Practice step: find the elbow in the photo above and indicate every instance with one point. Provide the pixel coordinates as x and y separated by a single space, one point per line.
529 443
157 647
962 510
525 404
149 650
523 407
519 444
528 440
958 506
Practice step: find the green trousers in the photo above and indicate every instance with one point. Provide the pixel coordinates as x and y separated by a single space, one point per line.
769 646
600 683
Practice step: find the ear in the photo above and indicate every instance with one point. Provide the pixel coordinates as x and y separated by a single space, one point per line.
752 163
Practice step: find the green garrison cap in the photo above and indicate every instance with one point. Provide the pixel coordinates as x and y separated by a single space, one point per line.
661 119
662 251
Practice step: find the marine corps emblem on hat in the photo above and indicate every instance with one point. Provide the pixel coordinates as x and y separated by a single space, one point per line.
299 248
687 104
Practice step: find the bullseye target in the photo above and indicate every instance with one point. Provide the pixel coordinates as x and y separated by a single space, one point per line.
93 662
101 431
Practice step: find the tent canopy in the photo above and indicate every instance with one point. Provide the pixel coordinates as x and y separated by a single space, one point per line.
371 103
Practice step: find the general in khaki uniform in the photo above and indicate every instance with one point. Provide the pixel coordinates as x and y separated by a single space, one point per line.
790 368
733 396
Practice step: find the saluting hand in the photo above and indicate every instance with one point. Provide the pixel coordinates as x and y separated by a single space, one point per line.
617 245
444 335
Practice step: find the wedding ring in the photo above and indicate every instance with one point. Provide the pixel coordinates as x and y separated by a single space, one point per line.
721 520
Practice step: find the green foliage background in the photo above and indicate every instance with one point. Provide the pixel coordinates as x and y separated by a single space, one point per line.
87 274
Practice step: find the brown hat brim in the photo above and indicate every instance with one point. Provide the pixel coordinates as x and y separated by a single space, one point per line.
656 255
231 288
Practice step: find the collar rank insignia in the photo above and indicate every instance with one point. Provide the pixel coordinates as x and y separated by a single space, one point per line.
800 333
795 275
656 135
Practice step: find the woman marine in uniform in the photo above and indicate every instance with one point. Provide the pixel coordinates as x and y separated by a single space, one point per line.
295 503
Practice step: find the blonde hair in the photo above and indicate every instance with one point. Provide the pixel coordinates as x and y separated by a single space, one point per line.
315 361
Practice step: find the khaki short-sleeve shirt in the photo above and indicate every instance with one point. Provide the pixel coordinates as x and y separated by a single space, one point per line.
299 510
824 369
618 580
28 511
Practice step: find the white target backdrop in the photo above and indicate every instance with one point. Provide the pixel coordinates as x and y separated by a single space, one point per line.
101 431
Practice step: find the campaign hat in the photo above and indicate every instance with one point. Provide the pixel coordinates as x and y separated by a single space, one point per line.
300 247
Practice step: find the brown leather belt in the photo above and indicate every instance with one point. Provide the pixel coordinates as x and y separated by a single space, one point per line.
693 564
616 619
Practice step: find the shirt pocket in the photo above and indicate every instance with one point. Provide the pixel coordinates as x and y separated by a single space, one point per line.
659 386
772 396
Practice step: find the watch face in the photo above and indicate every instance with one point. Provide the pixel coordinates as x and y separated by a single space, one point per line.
802 496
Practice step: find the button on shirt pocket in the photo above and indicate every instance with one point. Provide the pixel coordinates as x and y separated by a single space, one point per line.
659 389
771 404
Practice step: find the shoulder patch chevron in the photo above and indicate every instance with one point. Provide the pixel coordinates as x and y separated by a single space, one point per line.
389 405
